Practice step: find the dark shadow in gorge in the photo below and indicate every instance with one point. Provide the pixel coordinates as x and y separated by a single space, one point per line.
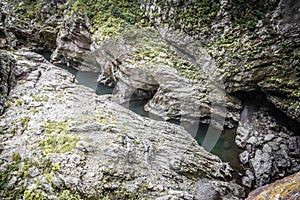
257 100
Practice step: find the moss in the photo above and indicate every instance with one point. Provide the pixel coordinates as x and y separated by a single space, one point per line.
48 177
18 102
110 17
58 143
40 98
104 118
57 138
18 168
16 157
55 167
7 104
295 106
36 110
149 46
68 195
7 172
55 126
24 121
34 195
189 16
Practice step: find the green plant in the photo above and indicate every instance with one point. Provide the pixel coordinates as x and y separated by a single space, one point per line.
110 17
67 195
57 138
33 195
24 121
18 102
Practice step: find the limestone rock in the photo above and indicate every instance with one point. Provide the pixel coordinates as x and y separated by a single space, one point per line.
73 42
251 53
142 67
94 147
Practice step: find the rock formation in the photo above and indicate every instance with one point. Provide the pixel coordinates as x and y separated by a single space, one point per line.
286 188
226 64
60 138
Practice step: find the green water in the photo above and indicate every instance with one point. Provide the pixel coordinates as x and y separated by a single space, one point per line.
225 146
88 79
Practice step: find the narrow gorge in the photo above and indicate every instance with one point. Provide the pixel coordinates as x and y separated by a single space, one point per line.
148 99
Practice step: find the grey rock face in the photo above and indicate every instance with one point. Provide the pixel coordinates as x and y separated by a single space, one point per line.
268 149
6 78
141 67
30 25
73 42
14 68
106 150
242 50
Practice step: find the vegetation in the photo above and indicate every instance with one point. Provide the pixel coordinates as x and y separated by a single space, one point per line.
57 138
67 195
191 19
246 14
149 46
110 17
17 169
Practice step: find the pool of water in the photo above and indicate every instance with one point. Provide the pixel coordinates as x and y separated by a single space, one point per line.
224 147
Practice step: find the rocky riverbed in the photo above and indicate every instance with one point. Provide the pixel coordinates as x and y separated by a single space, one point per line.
220 70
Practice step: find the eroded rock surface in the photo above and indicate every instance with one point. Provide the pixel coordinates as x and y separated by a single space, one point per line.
73 42
143 63
255 44
245 46
65 140
31 25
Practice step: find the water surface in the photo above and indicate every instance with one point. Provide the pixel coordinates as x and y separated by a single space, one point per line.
225 147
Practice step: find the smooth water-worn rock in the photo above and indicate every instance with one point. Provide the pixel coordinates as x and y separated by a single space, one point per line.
60 139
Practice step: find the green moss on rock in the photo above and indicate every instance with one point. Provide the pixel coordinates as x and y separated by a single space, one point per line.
57 138
110 17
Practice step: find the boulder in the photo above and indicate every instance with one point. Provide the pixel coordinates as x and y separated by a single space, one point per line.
286 188
268 148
